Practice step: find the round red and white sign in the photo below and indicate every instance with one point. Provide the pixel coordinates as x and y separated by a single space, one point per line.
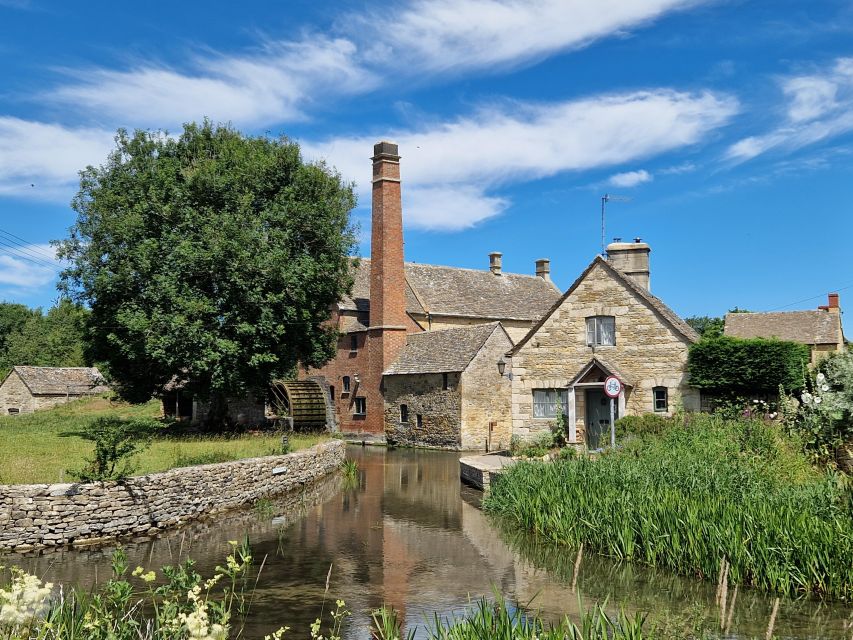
612 387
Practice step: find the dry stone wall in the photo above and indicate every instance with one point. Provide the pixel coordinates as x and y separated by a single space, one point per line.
49 515
424 394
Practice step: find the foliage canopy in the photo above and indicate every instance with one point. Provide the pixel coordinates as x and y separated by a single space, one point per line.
740 367
213 257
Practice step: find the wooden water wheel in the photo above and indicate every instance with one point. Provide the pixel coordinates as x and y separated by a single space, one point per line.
302 401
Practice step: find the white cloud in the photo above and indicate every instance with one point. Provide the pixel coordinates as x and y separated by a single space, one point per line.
630 178
283 79
41 160
447 35
819 107
678 169
521 141
275 84
26 267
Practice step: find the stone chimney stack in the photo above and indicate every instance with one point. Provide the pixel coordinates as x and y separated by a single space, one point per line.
543 269
387 278
632 259
495 260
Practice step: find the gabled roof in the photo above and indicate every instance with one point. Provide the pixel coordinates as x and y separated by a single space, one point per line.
444 351
654 303
453 291
806 327
608 368
53 381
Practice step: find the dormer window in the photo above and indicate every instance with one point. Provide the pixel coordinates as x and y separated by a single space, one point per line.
601 331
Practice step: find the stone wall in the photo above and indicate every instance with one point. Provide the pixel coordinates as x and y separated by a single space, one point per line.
243 411
440 410
486 397
15 395
42 515
516 329
647 349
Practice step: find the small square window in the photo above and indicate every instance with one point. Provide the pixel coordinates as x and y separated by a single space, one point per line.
346 383
360 406
661 399
404 413
420 421
601 331
547 402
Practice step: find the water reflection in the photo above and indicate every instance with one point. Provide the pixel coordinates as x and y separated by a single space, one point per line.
410 537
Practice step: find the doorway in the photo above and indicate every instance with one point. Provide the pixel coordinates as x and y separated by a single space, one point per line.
598 418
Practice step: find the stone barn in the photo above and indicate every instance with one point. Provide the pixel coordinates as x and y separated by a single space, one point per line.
445 390
28 389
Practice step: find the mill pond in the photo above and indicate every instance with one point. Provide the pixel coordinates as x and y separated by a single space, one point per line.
409 535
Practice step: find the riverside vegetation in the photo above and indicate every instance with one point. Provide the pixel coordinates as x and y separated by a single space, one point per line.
177 603
694 494
50 446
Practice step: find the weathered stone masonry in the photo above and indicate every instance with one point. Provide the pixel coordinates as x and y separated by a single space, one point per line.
46 515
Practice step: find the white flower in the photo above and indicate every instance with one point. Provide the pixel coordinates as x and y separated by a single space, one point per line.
820 378
806 397
25 600
817 400
824 387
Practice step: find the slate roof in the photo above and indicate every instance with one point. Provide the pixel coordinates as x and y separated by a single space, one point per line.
806 327
655 303
460 292
53 381
445 351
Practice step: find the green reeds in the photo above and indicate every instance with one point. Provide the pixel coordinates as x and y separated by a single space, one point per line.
705 492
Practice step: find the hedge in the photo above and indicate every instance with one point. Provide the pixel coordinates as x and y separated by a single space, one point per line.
755 365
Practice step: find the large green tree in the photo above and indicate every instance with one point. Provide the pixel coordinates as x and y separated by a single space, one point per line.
214 257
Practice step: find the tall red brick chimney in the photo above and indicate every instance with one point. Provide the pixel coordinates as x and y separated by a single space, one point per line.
387 331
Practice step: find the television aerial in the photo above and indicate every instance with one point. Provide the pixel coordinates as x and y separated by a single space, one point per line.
604 200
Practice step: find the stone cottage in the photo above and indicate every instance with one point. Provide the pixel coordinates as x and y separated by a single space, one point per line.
820 329
607 324
28 389
393 300
445 390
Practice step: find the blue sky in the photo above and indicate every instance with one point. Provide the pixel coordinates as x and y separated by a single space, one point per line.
727 124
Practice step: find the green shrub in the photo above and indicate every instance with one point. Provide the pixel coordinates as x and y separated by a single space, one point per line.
732 366
208 457
116 440
704 490
646 424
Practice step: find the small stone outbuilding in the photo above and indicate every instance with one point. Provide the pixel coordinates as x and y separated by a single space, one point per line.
820 329
445 390
28 389
607 324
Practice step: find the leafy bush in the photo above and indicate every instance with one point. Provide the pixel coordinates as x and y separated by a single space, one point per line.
543 443
732 366
116 440
646 424
703 491
823 417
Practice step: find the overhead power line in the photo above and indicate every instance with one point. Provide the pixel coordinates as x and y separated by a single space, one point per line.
25 245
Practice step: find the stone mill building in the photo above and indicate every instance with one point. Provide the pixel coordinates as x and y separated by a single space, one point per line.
419 346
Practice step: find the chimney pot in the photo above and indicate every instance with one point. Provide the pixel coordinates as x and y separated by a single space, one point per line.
495 259
638 240
543 269
832 301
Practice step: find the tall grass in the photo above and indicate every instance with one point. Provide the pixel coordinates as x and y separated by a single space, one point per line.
703 492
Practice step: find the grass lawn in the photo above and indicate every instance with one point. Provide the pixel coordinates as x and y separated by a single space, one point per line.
32 449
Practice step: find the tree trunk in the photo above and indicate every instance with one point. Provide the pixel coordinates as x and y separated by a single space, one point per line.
217 416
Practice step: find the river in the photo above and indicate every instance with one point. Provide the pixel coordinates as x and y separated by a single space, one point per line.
410 536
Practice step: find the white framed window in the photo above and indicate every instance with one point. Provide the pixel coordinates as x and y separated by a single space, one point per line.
601 331
360 406
661 399
546 402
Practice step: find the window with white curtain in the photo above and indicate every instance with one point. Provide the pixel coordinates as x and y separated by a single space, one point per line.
601 331
546 402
